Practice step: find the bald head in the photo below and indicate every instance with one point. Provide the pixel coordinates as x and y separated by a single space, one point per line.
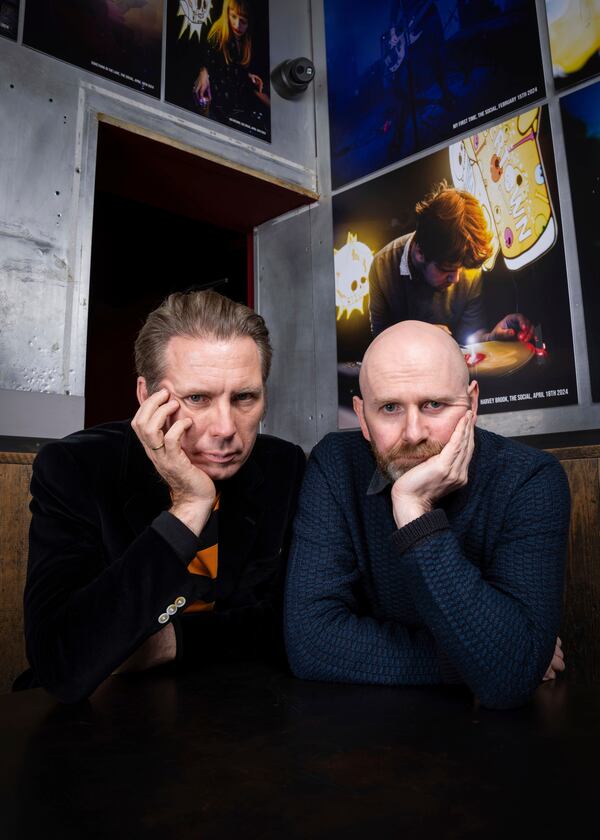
411 347
415 389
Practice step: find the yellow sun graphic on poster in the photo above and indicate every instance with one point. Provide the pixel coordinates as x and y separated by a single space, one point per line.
352 263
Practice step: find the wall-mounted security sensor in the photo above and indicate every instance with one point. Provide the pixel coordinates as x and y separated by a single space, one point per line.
292 77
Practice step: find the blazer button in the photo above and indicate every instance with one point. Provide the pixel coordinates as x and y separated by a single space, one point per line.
163 618
180 602
171 609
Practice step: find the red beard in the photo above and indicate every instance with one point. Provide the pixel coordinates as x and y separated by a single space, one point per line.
404 456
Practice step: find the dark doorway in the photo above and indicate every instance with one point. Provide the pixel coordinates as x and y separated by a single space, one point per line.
165 220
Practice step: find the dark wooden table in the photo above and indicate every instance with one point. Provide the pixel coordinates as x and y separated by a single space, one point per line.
247 751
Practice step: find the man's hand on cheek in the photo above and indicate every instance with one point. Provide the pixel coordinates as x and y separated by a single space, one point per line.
192 490
416 492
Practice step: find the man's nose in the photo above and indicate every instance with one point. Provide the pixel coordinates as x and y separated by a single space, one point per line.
453 277
222 422
415 427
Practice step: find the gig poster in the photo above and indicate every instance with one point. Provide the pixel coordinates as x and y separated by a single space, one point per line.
218 62
118 39
404 75
9 18
574 30
509 168
581 129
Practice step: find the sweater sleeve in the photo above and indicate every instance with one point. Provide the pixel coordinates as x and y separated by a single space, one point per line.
497 625
329 633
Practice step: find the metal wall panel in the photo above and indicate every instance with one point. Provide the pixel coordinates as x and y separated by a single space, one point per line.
284 297
38 119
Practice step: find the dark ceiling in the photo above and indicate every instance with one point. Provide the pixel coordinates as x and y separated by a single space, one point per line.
137 167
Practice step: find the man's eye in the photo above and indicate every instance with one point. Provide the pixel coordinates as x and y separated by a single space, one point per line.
195 399
434 404
246 397
390 408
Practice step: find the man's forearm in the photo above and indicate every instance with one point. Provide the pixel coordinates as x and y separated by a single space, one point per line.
488 635
159 649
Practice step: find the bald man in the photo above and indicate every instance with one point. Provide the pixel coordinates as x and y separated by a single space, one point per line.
425 550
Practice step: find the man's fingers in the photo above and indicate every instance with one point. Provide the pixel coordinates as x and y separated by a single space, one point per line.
456 455
152 401
506 332
173 436
149 406
154 427
466 453
549 675
466 438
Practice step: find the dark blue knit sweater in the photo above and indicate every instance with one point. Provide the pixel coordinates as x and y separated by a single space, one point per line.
471 591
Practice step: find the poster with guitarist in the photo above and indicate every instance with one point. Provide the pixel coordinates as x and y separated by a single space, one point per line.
408 74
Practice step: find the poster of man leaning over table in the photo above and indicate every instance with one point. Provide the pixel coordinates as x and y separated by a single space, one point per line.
517 340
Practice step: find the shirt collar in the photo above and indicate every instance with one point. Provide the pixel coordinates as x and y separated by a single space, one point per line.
404 266
379 481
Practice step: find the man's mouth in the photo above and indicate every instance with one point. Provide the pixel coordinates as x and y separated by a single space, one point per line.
218 457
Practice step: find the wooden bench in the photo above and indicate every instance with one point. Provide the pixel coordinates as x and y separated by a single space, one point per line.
581 616
581 619
15 475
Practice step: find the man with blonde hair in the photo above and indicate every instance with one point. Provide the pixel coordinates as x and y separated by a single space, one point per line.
164 539
434 273
425 550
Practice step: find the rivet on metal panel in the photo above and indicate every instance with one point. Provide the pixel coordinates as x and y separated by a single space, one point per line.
310 417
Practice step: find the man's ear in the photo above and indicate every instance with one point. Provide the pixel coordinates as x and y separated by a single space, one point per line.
417 254
141 390
473 392
359 409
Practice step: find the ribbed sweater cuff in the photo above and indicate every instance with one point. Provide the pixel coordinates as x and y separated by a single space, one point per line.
419 529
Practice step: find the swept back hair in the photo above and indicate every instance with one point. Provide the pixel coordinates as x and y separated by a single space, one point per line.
196 314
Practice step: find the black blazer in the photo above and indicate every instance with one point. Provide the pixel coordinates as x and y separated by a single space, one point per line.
106 559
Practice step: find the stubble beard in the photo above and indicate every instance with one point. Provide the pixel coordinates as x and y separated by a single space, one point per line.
403 457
